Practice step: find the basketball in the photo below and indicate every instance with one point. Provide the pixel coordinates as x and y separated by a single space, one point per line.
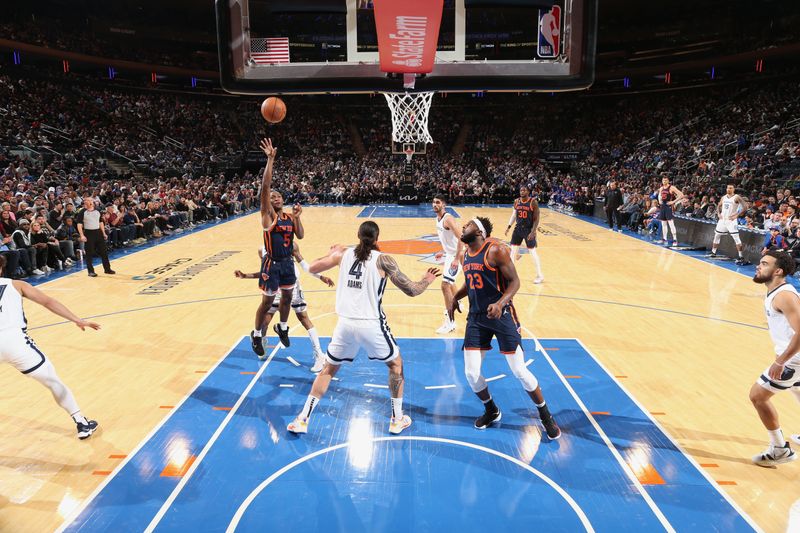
273 109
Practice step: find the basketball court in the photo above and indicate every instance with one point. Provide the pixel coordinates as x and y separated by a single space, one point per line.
648 379
645 354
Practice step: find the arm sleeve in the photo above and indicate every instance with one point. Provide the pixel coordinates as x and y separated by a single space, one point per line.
305 266
513 217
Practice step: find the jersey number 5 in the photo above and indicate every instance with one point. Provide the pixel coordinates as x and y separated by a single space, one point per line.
475 281
355 270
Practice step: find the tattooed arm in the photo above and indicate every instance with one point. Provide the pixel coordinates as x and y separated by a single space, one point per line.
387 264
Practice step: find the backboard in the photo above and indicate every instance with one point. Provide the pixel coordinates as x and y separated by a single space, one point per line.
331 46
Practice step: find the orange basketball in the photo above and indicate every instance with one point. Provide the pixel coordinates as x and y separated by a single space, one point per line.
273 109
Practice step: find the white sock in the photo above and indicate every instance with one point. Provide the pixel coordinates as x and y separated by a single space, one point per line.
312 334
740 253
397 408
535 256
664 230
257 333
776 437
514 250
284 325
308 408
674 231
79 418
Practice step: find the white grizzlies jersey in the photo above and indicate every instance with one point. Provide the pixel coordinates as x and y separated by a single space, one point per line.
12 315
729 207
360 288
446 237
779 328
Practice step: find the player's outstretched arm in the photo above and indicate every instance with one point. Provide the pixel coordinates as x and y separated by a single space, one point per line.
267 212
513 218
331 260
502 260
51 304
388 265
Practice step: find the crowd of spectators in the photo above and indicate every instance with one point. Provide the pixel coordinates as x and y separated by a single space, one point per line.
158 162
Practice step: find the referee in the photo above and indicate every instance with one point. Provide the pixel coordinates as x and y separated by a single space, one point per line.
93 233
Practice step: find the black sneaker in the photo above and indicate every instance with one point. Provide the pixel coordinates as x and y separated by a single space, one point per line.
487 419
92 274
85 430
742 262
552 429
712 255
257 343
283 335
109 272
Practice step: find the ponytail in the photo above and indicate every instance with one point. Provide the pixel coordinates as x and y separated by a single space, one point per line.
367 240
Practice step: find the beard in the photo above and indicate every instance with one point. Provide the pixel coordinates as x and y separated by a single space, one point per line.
761 279
469 239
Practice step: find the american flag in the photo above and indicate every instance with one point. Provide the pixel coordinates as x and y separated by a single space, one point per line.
270 50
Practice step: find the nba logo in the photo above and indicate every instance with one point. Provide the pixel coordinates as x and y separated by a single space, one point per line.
549 32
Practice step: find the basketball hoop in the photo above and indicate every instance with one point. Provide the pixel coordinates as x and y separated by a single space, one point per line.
410 118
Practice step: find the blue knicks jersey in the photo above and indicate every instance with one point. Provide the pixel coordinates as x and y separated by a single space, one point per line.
279 238
485 285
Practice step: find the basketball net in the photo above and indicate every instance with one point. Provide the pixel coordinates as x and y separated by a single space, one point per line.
410 117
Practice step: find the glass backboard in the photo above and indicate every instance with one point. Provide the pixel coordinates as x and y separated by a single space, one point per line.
331 46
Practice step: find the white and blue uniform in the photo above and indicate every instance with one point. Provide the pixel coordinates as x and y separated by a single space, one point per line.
449 243
781 332
16 348
730 207
362 322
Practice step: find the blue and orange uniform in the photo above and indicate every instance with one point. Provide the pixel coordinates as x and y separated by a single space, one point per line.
665 211
524 223
485 286
277 267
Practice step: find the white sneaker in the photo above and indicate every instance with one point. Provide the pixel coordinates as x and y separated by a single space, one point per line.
38 272
298 425
396 426
447 327
319 362
538 280
775 455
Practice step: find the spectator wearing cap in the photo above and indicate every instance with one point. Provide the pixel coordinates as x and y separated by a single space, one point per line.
37 255
773 240
93 235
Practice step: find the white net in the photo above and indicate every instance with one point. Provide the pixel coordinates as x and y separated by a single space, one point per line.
410 116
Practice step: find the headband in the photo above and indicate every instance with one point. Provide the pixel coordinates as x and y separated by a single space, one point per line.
480 226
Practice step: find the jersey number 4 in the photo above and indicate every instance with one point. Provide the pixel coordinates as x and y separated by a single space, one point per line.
355 270
475 281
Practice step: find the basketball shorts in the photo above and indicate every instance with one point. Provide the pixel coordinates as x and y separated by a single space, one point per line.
790 378
276 276
298 301
665 212
19 350
727 226
481 329
350 335
450 275
521 234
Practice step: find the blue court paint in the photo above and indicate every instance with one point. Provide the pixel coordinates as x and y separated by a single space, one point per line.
402 211
363 479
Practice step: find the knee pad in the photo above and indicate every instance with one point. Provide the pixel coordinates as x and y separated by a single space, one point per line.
517 364
472 370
